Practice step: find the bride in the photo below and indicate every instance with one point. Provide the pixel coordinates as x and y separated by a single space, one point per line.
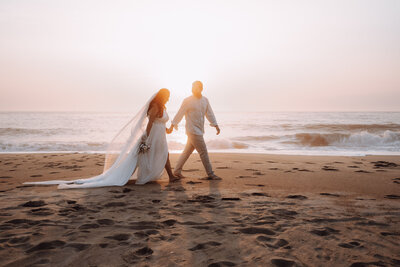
138 151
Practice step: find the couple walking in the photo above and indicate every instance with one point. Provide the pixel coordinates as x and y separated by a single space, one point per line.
139 151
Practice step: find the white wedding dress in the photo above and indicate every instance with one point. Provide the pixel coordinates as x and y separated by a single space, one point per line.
123 160
151 163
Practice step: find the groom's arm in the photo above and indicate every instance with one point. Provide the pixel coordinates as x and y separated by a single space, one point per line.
179 116
211 117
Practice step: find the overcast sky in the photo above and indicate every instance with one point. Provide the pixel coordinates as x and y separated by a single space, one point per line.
251 55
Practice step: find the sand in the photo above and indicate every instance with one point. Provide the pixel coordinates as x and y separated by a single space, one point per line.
269 210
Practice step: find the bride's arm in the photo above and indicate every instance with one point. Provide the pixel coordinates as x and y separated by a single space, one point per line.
152 116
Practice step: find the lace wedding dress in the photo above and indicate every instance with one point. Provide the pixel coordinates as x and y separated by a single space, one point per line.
123 160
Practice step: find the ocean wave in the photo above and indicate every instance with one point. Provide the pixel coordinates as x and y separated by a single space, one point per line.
353 127
31 131
52 146
257 138
320 127
225 144
359 139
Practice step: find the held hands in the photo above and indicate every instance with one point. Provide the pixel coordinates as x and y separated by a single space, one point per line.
169 130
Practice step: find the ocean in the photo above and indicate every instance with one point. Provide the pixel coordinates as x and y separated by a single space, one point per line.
300 133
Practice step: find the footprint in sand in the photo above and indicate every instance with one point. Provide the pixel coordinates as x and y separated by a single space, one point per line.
78 246
105 222
395 180
18 240
353 167
284 213
300 197
329 168
89 226
222 264
205 245
259 194
115 204
384 164
263 238
392 196
36 175
390 233
363 171
259 185
324 231
256 230
41 212
329 194
372 223
283 263
23 222
47 246
145 251
352 244
230 198
37 203
169 222
119 237
366 264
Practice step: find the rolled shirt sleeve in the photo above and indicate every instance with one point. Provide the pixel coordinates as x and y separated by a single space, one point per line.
210 115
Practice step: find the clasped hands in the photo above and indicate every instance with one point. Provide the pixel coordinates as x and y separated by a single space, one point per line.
169 130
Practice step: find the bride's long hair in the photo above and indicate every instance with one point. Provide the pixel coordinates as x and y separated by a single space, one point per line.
160 100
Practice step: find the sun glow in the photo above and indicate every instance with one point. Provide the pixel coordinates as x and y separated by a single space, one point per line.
266 55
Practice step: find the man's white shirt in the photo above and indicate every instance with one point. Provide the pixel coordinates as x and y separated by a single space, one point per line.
195 109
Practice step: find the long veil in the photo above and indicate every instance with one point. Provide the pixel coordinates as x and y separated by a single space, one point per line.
120 159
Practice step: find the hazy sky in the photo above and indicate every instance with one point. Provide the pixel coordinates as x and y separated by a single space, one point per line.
251 55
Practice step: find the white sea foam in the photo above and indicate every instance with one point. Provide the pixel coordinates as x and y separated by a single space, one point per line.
333 133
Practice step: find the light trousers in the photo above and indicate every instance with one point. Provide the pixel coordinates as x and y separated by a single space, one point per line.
194 142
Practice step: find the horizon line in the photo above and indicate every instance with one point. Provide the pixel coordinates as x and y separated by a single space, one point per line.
175 110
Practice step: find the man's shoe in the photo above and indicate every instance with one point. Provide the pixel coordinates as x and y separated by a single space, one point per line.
214 177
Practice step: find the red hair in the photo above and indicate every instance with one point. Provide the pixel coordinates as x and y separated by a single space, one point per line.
159 100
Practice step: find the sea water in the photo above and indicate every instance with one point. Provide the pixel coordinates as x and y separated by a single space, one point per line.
301 133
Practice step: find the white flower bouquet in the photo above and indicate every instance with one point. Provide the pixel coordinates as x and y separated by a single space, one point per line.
144 147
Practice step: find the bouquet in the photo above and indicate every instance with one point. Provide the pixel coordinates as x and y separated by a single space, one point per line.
143 147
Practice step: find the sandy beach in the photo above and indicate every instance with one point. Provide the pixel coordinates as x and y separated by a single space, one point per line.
269 210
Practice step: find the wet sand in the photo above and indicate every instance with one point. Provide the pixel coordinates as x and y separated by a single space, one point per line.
269 210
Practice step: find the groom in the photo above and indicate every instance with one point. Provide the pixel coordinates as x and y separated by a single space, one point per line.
195 108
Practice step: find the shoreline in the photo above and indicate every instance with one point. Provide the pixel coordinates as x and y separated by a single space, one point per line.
356 154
